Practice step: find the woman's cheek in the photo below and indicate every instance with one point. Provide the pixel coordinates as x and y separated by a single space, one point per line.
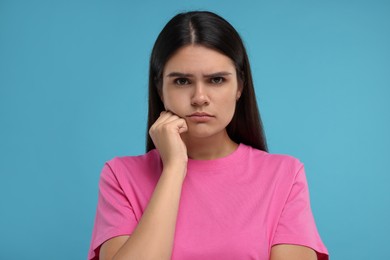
171 108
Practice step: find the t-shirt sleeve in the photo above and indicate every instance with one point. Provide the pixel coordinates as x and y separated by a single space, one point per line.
114 214
296 224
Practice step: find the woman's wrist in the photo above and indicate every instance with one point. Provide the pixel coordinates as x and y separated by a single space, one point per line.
175 169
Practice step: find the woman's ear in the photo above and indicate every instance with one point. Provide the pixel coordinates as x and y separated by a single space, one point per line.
238 95
160 94
159 88
240 87
239 91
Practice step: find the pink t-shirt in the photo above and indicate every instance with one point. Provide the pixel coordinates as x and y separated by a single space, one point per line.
236 207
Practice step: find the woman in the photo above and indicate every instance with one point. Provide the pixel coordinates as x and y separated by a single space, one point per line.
206 188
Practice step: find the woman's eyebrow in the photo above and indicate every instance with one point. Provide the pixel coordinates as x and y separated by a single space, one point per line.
218 74
179 74
188 75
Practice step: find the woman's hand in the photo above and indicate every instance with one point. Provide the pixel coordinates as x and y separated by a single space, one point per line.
148 240
165 133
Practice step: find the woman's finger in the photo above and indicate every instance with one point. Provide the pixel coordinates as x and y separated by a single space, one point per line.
165 118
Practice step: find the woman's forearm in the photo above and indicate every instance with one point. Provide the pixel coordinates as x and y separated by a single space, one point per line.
154 235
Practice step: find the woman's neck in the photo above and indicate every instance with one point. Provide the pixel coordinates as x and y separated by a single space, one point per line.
210 148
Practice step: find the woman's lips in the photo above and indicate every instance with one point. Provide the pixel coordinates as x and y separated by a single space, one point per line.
200 117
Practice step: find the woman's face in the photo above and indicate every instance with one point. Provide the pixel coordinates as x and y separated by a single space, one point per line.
200 85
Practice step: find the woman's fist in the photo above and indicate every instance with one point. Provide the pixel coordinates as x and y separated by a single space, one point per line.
165 133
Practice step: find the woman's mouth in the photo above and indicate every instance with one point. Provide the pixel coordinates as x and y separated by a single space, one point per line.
200 117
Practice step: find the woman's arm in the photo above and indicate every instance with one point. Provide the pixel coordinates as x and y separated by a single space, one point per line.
292 252
153 237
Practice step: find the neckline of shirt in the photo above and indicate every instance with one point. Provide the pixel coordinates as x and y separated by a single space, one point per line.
220 163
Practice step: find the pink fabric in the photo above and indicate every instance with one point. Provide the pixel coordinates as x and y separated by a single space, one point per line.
236 207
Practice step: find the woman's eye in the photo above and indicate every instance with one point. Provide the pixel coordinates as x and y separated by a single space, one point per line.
181 81
217 80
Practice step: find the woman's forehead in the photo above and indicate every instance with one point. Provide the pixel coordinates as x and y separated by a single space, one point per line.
196 59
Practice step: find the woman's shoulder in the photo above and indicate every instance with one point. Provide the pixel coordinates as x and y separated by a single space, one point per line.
273 157
273 160
144 163
145 158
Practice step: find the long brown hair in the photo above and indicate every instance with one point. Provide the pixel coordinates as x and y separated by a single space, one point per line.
211 31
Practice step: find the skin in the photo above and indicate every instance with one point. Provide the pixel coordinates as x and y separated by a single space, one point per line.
195 80
198 79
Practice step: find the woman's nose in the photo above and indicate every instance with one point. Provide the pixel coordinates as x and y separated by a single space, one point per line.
199 97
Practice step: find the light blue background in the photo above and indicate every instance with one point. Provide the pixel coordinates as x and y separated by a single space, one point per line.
73 92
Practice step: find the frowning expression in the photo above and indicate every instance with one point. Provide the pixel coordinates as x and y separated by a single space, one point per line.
200 85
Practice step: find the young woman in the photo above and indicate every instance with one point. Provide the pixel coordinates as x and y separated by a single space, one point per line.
206 188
